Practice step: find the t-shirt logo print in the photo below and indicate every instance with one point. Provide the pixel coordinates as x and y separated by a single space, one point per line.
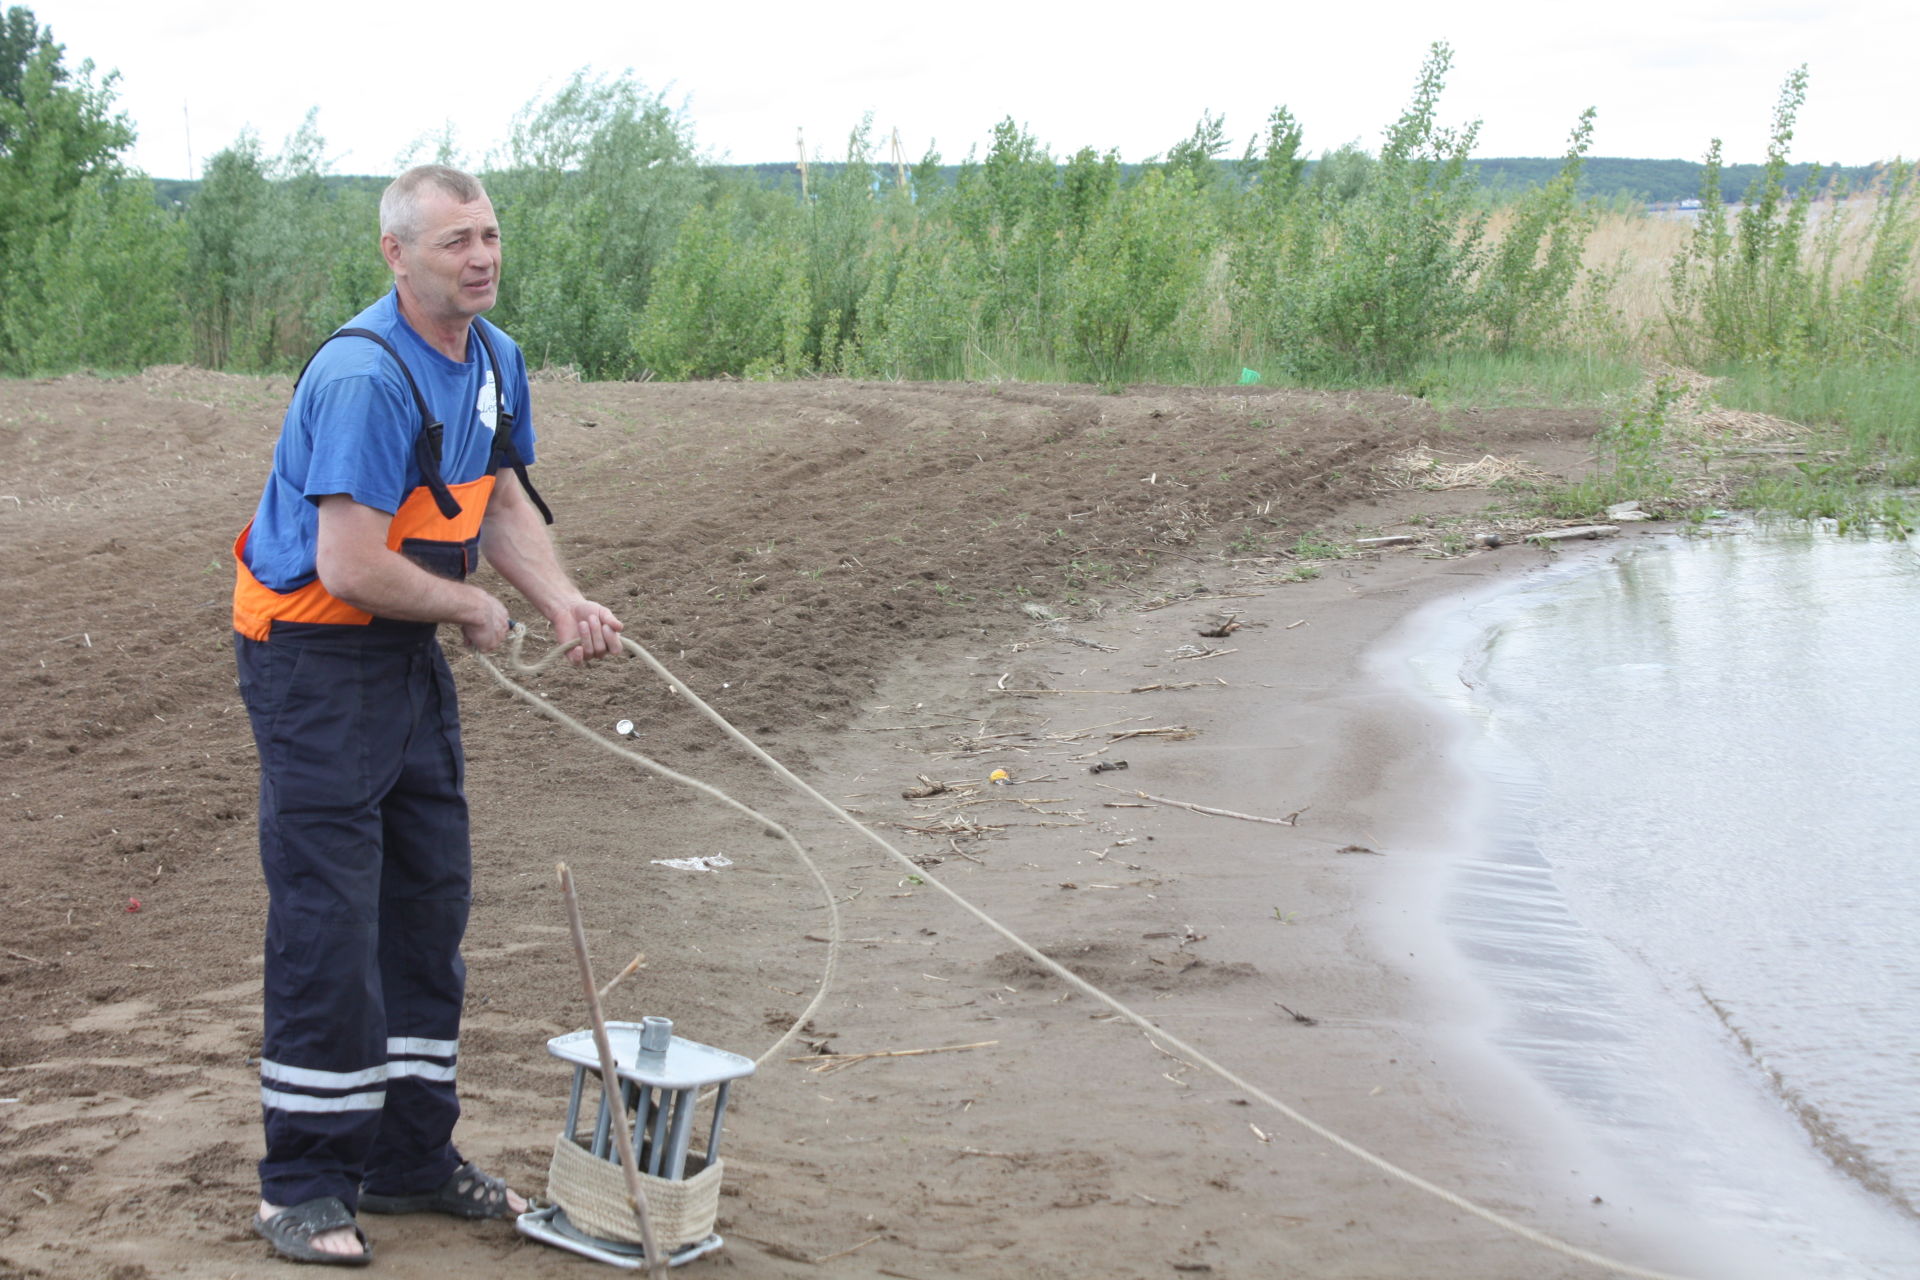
488 404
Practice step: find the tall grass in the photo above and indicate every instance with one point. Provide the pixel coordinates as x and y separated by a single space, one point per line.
1877 404
1392 268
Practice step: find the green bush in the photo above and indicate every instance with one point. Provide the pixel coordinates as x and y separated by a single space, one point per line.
727 299
83 294
1136 266
1526 291
625 257
597 182
256 303
924 326
1393 280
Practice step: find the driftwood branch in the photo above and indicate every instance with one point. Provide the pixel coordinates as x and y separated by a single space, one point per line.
1292 819
1144 688
1175 731
829 1257
1204 655
1575 533
830 1062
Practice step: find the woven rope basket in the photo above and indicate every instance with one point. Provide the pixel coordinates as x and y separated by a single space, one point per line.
594 1194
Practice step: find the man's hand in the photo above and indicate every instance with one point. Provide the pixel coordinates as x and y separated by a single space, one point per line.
516 543
489 630
593 624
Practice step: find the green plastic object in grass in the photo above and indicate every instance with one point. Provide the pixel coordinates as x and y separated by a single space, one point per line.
1249 377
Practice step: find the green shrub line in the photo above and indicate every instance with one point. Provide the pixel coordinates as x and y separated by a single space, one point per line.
628 257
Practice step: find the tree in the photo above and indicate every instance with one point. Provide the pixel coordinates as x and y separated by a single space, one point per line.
56 131
1530 274
256 305
597 182
75 226
1137 265
1394 280
20 38
1195 154
1007 212
1741 289
95 290
233 191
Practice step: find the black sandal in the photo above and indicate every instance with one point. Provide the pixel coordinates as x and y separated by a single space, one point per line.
291 1232
467 1193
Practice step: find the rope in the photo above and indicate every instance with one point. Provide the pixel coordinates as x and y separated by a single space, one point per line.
517 637
1073 980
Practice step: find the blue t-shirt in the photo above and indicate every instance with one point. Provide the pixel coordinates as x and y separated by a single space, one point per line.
352 425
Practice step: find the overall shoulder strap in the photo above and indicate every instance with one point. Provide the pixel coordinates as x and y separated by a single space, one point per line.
504 449
426 448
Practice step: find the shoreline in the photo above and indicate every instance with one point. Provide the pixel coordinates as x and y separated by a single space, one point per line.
1366 761
1464 1012
1612 1041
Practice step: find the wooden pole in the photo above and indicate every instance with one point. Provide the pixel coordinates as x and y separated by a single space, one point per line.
610 1082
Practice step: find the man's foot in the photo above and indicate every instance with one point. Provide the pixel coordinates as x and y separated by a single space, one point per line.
319 1231
467 1193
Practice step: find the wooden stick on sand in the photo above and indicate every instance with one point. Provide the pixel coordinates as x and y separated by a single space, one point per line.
610 1082
1291 820
830 1062
633 967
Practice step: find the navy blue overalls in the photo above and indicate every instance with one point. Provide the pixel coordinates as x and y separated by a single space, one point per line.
364 843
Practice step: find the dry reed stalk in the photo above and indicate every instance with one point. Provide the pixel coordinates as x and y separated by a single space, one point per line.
1419 468
1639 249
1694 417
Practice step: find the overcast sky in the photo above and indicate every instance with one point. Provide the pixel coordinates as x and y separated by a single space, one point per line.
1666 77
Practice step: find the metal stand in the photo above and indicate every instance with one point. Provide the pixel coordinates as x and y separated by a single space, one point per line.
661 1077
550 1226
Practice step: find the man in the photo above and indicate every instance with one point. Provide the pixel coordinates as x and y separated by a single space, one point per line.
402 457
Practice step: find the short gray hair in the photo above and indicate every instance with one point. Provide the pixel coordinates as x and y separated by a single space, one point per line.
400 203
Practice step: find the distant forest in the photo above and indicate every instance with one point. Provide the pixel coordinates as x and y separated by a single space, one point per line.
1602 177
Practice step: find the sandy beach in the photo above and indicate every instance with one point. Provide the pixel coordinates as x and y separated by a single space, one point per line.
887 587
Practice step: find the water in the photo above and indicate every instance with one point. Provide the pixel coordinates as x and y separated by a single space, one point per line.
1696 899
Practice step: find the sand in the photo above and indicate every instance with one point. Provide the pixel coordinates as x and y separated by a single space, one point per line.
878 583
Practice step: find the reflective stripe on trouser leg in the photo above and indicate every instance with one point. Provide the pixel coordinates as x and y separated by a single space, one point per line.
425 888
335 713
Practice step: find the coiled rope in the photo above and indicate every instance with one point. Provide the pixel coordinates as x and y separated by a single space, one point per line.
517 638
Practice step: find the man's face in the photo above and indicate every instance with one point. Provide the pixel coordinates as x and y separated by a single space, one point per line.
452 268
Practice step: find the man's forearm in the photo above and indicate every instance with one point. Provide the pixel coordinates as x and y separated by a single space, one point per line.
514 539
388 585
355 565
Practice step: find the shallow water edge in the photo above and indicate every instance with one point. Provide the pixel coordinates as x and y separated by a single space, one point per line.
1559 995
